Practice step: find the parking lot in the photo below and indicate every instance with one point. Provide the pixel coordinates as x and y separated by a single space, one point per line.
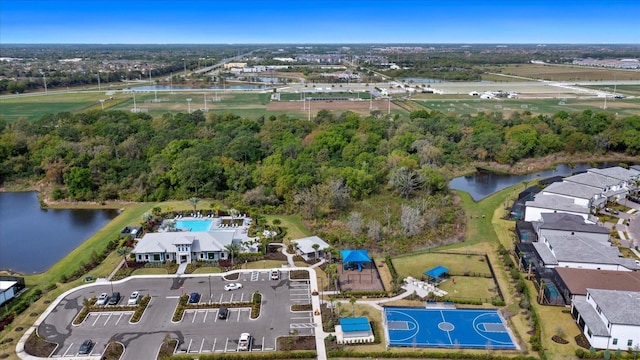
199 331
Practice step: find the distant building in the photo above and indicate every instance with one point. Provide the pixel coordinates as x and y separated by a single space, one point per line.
355 330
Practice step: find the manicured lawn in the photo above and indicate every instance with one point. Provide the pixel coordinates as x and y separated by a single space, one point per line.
416 265
470 288
150 271
208 270
295 228
34 106
264 264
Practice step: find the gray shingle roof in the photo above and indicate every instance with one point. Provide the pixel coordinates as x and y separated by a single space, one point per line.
572 189
568 222
200 241
593 180
555 202
590 317
615 172
620 307
570 248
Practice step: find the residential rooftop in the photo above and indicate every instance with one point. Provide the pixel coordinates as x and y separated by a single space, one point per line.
573 189
616 305
593 179
555 202
579 280
571 248
567 222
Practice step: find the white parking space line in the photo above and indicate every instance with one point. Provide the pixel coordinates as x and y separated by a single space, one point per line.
172 297
241 297
215 340
205 316
106 321
69 348
221 295
119 318
300 318
263 343
239 315
189 347
96 320
95 346
226 345
201 345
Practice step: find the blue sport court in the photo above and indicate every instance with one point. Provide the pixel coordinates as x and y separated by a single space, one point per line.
447 328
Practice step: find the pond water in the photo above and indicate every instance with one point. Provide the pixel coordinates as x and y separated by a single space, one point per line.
32 239
484 183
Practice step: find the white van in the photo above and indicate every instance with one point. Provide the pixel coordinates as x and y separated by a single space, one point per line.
275 274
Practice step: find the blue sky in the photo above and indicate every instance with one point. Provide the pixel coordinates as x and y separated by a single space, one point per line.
273 21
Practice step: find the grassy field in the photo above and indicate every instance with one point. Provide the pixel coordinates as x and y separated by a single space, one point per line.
568 73
536 106
324 95
416 265
631 90
34 106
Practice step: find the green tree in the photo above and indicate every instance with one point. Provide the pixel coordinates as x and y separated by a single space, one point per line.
234 250
79 183
194 202
124 251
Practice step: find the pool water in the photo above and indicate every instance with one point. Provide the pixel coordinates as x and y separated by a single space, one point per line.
194 225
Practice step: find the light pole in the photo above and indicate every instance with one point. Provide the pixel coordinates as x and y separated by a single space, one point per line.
44 79
210 293
189 105
99 81
184 62
134 102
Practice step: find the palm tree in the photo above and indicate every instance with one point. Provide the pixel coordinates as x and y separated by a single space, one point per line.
233 250
194 202
124 252
315 249
352 301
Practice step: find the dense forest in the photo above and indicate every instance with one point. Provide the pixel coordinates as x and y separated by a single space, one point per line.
322 169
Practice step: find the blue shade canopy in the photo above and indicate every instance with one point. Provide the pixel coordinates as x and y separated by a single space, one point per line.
355 256
436 271
355 324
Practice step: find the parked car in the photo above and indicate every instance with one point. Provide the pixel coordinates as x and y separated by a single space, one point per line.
102 299
194 298
133 299
244 343
223 312
607 209
114 299
275 274
85 348
615 212
233 286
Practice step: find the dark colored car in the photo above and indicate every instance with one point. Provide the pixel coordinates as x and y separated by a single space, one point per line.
85 348
223 312
114 299
194 298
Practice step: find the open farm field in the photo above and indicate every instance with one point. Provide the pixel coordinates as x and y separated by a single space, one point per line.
568 73
360 107
623 107
34 106
631 90
285 96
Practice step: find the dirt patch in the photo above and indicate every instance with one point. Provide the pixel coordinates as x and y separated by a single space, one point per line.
559 340
366 280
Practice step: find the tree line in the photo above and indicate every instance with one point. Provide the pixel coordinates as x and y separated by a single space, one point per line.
331 167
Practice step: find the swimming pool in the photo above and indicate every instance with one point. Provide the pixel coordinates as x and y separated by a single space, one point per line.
194 225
